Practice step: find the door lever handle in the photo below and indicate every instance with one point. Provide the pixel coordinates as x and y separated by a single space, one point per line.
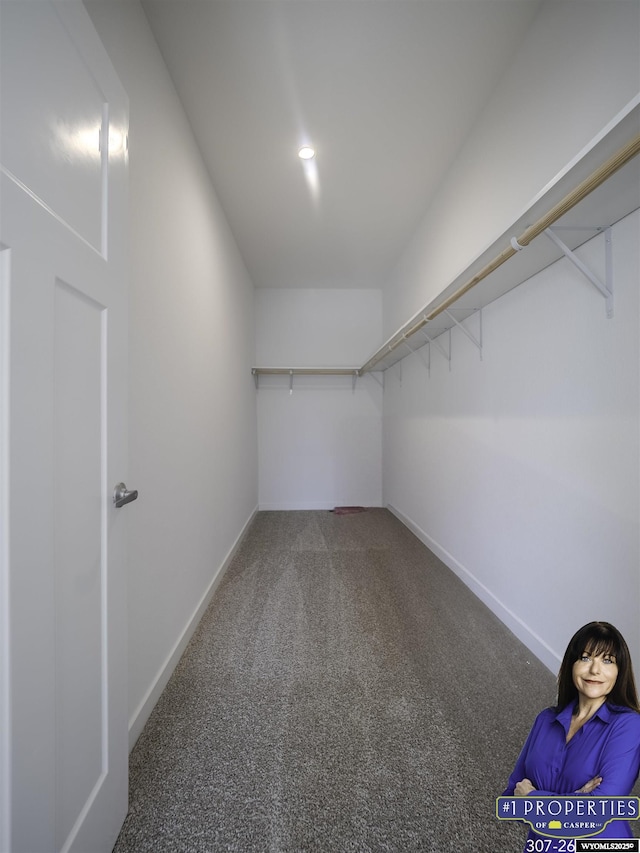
122 495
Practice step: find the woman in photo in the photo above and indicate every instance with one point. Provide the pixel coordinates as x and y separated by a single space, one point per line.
589 743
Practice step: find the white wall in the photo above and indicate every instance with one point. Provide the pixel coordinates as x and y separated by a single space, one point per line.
193 442
522 471
578 67
321 446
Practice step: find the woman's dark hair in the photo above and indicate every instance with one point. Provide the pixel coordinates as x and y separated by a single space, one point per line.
598 638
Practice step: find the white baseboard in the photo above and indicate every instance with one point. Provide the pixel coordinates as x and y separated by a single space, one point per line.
523 632
309 505
290 506
144 709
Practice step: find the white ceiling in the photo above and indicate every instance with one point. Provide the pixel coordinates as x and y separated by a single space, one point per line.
386 90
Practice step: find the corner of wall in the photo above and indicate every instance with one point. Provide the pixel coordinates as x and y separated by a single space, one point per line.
146 706
520 629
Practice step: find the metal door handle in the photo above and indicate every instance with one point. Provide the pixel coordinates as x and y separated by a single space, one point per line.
122 495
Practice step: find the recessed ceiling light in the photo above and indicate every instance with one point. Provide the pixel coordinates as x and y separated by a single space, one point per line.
306 153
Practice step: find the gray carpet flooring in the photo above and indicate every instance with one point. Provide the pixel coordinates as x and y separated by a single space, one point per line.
343 692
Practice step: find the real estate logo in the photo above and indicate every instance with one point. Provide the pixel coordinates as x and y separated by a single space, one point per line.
567 817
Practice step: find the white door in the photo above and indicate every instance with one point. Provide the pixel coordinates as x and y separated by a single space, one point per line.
63 361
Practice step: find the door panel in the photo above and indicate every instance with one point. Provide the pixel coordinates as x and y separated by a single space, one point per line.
59 107
79 550
63 766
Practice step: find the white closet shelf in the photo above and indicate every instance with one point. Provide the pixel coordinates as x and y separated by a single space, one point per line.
305 371
599 188
257 372
605 201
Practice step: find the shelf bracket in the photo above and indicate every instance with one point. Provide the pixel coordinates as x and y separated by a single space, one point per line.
427 361
353 381
417 352
460 325
605 289
438 346
380 381
407 344
290 382
256 378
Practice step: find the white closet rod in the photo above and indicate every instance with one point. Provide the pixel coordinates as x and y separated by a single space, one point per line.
598 177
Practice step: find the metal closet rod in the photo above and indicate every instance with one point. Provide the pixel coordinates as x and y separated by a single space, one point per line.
599 176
